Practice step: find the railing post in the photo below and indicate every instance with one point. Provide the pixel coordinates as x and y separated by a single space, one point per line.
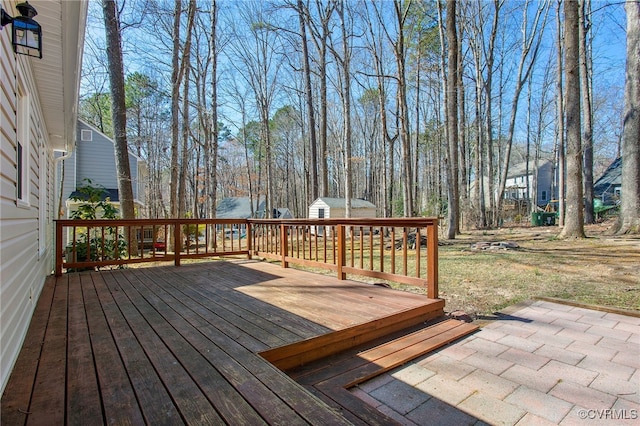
342 252
432 260
284 246
177 245
58 249
249 239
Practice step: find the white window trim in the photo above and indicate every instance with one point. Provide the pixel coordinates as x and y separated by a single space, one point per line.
86 135
23 138
43 192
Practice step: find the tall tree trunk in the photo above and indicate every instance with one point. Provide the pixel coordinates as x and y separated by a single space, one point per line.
488 115
587 124
213 160
629 219
311 119
176 77
118 108
321 37
399 50
184 146
346 112
186 58
451 101
574 220
560 122
462 140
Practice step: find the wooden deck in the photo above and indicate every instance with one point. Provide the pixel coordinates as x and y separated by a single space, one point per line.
167 345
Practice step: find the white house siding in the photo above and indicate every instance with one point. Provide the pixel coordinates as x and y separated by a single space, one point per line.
315 207
334 208
25 227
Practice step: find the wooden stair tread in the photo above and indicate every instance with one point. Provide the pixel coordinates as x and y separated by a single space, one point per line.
333 379
404 349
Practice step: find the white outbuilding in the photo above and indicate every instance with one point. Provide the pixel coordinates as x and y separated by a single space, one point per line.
331 208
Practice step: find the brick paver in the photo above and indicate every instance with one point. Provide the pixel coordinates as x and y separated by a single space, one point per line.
540 363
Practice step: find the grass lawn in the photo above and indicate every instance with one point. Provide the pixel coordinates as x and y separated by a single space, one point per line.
600 270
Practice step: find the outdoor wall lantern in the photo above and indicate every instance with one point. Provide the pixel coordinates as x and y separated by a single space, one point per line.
26 36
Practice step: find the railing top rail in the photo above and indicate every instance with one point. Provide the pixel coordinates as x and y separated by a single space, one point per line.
140 222
405 221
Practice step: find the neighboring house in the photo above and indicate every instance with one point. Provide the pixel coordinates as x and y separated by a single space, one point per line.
38 104
516 187
325 207
94 158
240 208
607 188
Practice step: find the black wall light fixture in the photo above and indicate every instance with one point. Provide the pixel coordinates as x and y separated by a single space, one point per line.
26 36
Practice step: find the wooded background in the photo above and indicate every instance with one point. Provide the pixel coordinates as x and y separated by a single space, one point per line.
420 107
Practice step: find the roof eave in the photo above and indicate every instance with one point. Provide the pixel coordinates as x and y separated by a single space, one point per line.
58 73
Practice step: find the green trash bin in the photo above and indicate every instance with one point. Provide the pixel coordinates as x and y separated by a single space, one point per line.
536 219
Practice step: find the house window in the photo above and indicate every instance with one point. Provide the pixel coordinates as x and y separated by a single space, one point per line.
543 196
86 135
22 148
617 192
320 213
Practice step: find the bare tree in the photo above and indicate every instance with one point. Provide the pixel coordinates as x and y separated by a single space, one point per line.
176 78
451 101
212 160
629 220
303 17
401 12
184 163
560 120
574 220
345 94
118 108
587 115
321 32
531 40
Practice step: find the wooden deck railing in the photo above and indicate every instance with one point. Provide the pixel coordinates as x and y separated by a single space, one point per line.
400 250
96 243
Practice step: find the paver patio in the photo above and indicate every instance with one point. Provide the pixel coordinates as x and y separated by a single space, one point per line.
538 363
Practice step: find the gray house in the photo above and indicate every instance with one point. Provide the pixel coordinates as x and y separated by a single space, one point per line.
94 159
607 188
521 180
240 208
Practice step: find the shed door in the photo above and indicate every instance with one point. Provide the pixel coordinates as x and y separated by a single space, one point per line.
320 216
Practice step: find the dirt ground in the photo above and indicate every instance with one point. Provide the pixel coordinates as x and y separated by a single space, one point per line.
600 270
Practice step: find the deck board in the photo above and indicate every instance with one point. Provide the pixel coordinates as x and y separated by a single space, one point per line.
83 396
16 397
47 401
167 345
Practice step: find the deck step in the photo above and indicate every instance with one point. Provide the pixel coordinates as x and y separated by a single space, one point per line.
330 378
407 348
306 351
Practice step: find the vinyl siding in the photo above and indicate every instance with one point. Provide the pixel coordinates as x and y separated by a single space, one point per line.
96 161
23 266
337 212
316 206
